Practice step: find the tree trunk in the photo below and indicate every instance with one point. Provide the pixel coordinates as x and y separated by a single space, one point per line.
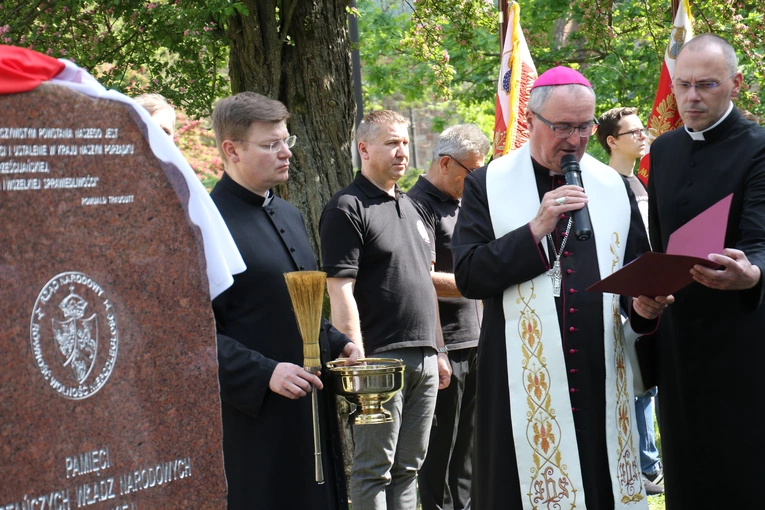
310 72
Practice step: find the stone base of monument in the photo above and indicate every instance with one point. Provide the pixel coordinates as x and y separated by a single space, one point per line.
109 392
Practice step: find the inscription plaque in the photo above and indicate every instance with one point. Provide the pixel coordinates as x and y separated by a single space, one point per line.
109 392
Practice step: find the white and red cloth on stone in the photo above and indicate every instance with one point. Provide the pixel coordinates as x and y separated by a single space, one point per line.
22 70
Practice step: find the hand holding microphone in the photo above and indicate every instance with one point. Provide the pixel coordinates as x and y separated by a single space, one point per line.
561 200
573 174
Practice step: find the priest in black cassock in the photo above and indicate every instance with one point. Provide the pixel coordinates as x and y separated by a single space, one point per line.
267 421
554 421
712 339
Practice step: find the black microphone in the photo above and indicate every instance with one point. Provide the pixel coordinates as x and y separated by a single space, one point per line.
570 168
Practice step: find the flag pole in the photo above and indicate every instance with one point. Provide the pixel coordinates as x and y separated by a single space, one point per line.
502 11
664 114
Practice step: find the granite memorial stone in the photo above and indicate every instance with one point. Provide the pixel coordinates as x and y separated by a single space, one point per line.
108 390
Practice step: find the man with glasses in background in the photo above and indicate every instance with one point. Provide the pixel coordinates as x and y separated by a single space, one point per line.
622 135
268 446
446 474
711 341
555 418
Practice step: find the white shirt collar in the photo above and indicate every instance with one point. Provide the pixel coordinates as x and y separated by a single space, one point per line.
269 198
699 135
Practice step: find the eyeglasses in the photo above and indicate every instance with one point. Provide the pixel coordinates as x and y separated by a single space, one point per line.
276 146
468 170
566 130
701 87
635 133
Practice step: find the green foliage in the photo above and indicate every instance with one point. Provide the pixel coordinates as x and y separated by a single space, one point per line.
742 23
656 502
409 178
196 141
176 48
449 48
595 150
414 52
415 57
481 114
455 43
624 46
419 56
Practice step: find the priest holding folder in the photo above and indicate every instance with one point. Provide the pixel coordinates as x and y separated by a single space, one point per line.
712 339
554 419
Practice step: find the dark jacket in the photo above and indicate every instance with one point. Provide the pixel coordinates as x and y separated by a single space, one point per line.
267 439
711 342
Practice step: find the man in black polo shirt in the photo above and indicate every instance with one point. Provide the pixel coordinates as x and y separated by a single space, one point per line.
446 475
376 252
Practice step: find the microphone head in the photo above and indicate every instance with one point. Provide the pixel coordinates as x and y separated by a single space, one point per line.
568 163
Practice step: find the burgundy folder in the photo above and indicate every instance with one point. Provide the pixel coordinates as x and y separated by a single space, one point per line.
661 274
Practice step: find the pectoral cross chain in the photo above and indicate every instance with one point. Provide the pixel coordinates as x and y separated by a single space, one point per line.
554 272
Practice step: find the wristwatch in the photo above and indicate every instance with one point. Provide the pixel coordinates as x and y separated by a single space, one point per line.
442 349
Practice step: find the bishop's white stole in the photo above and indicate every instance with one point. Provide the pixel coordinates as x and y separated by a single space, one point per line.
543 424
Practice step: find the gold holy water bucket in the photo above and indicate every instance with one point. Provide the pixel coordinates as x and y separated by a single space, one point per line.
368 384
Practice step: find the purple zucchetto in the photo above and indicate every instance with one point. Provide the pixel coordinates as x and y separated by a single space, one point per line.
561 75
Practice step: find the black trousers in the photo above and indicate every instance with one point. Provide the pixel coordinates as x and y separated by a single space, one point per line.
446 474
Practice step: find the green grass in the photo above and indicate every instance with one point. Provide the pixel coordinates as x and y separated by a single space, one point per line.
656 502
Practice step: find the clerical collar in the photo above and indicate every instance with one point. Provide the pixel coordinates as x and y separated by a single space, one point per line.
699 135
243 193
541 169
269 198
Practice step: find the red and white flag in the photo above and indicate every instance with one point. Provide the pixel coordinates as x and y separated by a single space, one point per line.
664 116
516 76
